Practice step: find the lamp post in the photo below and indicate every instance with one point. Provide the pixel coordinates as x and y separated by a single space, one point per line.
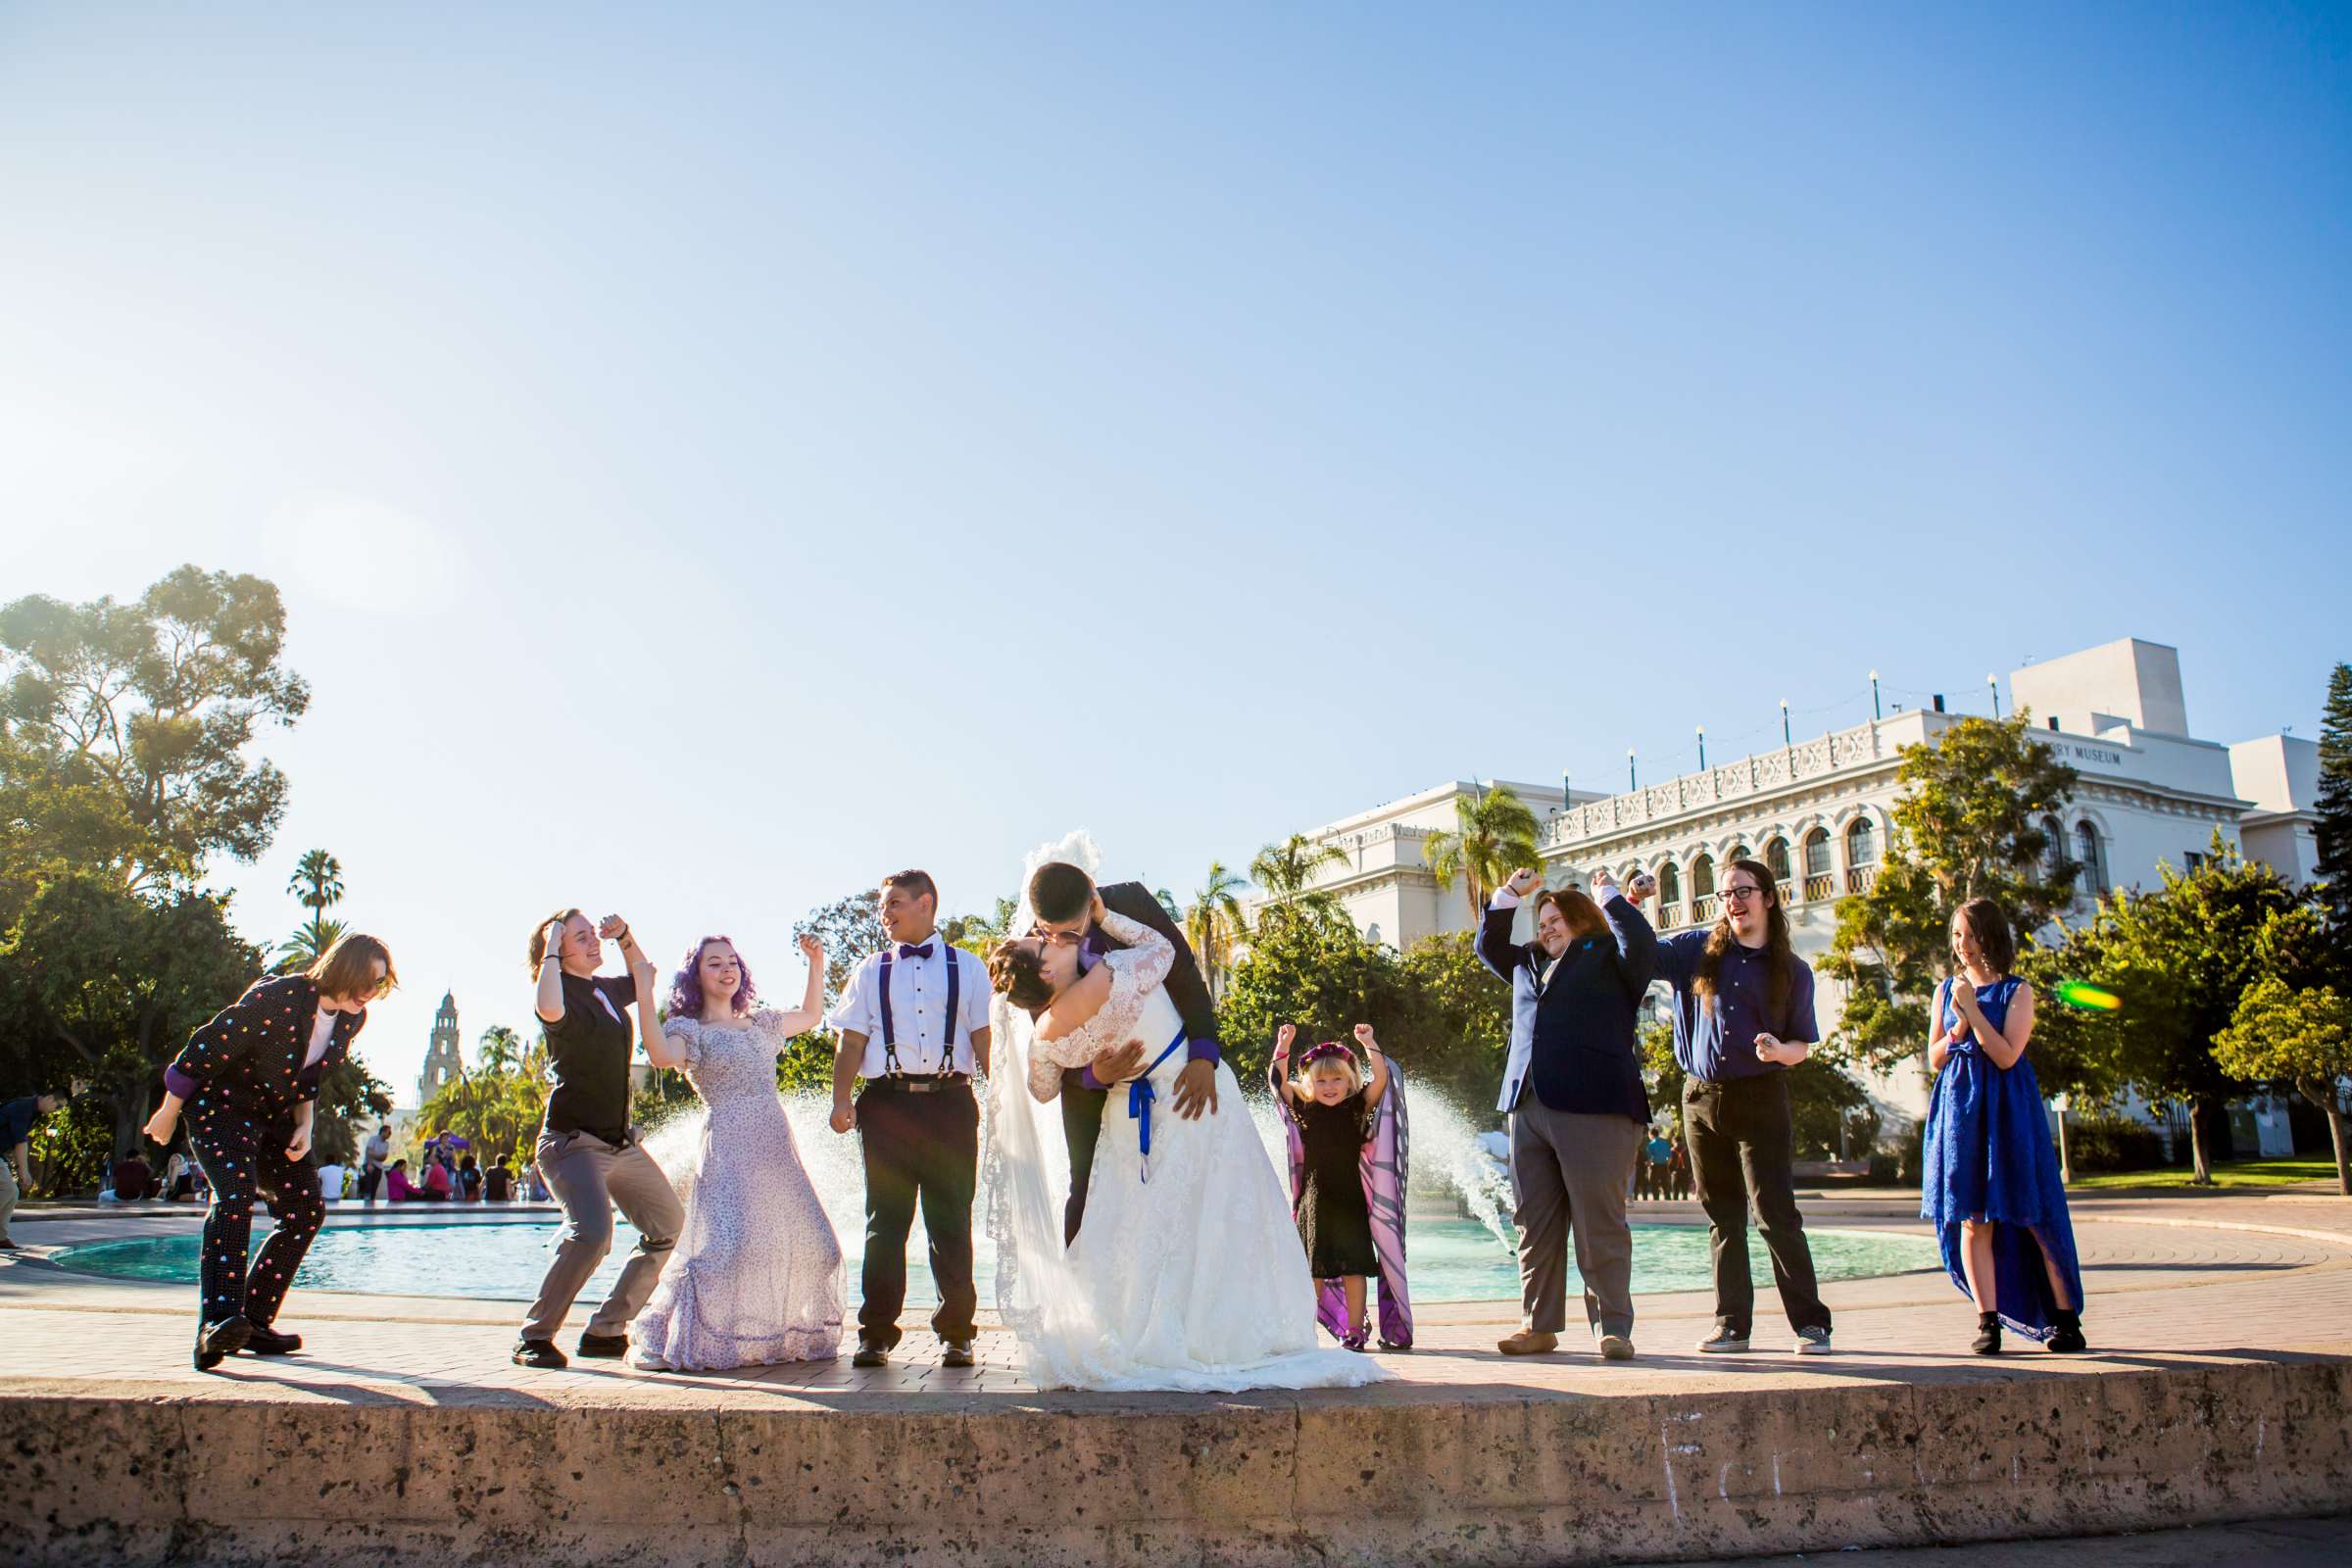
1875 715
1994 686
1633 780
1703 748
1785 739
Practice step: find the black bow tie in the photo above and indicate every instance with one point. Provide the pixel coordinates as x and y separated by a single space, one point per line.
909 951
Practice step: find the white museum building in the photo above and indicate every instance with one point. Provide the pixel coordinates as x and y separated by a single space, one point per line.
1818 811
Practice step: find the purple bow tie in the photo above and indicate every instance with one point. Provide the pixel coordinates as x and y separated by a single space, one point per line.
909 951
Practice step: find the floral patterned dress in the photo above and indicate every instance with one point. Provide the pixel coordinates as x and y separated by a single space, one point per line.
758 1275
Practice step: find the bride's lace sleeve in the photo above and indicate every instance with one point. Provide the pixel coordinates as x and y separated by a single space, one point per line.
1134 971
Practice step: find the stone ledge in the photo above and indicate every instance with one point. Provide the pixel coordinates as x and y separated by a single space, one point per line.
1432 1476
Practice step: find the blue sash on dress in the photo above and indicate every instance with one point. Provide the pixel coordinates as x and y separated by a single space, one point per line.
1140 1095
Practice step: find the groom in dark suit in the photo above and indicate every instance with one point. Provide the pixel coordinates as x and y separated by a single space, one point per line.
1062 899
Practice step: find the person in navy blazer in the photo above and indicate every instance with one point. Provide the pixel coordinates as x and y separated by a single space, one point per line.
1578 1108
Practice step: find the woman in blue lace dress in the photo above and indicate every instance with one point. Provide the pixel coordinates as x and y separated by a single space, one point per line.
1992 1186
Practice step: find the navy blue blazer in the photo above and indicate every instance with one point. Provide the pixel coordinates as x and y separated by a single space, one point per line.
1583 1057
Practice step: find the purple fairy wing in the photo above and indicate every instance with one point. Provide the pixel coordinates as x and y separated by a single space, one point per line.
1385 1168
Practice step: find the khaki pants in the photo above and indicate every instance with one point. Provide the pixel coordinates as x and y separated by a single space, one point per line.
8 1195
590 1177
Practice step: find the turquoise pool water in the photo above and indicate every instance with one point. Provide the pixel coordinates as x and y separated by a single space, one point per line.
1450 1259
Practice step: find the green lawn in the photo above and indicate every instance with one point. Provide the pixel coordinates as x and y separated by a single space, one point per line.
2284 1171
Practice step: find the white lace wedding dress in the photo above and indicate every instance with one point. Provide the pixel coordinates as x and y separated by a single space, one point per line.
757 1277
1188 1273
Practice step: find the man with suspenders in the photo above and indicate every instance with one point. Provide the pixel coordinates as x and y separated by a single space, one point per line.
914 1024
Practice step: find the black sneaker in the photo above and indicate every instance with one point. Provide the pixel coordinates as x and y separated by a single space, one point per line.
957 1353
266 1341
541 1353
870 1355
217 1341
602 1347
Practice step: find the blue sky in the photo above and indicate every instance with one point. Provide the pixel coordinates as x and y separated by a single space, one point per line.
714 458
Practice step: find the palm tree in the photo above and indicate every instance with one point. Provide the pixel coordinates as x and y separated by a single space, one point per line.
1215 925
1494 835
501 1050
318 881
1286 871
309 944
979 933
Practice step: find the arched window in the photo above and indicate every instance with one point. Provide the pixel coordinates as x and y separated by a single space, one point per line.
2053 848
1776 858
1703 889
1670 885
1861 856
1817 865
2095 865
1739 852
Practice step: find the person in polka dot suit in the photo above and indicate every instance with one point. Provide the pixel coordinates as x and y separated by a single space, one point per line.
249 1081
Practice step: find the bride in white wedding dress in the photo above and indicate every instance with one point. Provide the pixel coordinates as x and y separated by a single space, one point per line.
1187 1273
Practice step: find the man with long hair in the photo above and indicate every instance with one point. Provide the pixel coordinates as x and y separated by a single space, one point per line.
1742 1017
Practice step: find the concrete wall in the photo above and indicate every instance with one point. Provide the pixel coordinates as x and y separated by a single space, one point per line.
1500 1476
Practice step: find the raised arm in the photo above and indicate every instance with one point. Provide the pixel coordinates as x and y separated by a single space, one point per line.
1187 989
1637 943
1278 1070
1495 949
812 1010
550 1006
1148 955
1376 1079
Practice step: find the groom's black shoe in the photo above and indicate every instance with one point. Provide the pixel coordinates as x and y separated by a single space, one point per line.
540 1353
870 1355
266 1341
602 1346
957 1353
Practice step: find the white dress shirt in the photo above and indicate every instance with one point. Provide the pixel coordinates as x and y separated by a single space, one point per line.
918 1007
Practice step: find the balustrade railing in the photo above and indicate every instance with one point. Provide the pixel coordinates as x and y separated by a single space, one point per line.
1861 878
1819 887
1703 910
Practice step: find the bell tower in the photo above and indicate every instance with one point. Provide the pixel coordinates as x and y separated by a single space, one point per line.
441 1059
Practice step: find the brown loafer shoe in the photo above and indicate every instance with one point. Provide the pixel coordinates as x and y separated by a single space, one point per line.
1527 1342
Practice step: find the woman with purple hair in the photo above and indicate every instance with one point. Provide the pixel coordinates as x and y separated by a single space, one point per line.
758 1275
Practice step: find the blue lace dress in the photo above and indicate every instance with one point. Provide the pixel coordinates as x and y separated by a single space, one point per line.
1989 1156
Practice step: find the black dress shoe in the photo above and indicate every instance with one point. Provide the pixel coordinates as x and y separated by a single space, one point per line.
602 1347
266 1341
541 1353
870 1355
7 1246
957 1353
216 1341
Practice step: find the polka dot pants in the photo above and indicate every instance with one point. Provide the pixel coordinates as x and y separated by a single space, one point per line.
244 1155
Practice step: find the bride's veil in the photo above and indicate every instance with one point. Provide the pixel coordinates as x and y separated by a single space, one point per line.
1027 1166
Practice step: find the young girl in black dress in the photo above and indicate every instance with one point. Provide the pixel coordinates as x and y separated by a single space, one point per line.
1334 1104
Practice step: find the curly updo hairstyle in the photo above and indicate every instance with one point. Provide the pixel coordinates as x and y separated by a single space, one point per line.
1018 974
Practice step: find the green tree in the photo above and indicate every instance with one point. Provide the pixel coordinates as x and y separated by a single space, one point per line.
1661 1071
1214 925
1494 834
1455 1029
106 984
2334 825
1286 873
1321 976
2297 1035
127 726
496 1111
2181 957
1967 825
850 928
979 934
318 881
501 1050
